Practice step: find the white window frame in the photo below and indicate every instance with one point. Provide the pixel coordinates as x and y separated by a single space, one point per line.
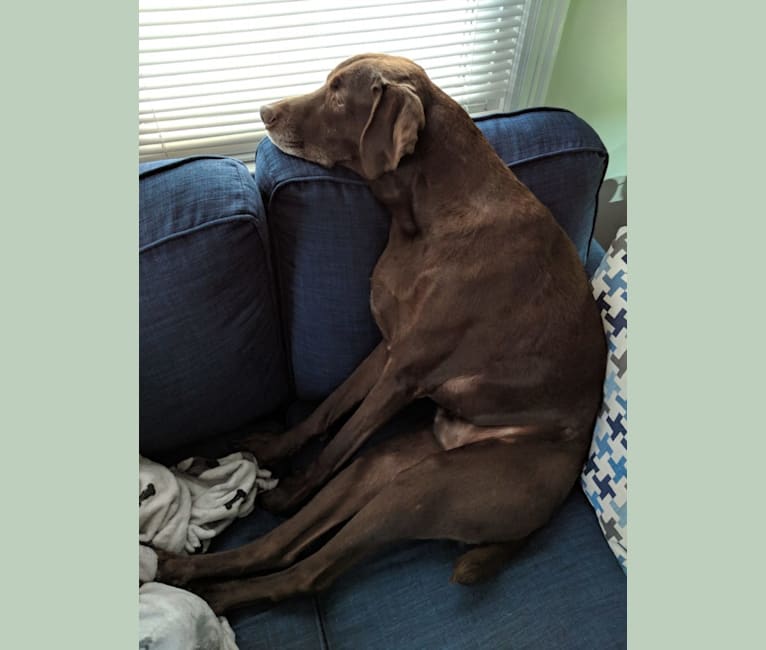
543 28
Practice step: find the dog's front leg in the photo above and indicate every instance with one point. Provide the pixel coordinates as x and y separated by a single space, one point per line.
386 397
268 448
347 493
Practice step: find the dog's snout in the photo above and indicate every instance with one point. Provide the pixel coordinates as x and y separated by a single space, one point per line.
269 115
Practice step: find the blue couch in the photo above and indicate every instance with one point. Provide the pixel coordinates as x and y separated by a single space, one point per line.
254 306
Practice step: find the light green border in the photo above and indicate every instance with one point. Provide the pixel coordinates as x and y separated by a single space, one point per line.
69 365
695 219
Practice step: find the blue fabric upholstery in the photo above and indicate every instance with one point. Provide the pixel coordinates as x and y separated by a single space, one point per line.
564 590
328 221
211 355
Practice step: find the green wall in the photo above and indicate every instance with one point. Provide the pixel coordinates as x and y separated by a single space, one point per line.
589 74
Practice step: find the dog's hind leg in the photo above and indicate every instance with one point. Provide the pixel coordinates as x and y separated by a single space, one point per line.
492 491
337 502
270 447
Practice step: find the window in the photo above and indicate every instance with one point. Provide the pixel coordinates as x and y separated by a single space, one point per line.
205 69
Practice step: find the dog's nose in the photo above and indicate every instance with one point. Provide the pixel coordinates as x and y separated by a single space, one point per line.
269 115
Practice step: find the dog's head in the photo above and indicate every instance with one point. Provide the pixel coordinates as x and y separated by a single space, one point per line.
365 117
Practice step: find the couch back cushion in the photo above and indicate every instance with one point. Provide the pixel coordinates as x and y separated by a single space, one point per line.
211 353
328 231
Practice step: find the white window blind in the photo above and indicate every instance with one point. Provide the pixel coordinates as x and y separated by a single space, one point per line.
205 69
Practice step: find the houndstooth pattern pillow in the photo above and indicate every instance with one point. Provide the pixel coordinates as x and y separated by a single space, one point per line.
605 476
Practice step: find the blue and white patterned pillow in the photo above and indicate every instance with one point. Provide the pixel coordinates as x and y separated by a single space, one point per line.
605 476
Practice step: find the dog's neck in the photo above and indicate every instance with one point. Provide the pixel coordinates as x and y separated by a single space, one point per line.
434 181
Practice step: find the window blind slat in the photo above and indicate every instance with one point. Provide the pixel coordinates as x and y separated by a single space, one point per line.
318 67
328 54
205 69
164 13
154 7
275 81
227 25
157 92
268 94
318 41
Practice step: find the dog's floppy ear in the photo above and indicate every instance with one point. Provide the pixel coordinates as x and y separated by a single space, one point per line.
392 128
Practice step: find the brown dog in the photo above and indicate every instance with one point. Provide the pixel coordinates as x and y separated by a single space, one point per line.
483 306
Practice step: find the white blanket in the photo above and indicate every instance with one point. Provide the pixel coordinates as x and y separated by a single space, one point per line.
174 619
180 510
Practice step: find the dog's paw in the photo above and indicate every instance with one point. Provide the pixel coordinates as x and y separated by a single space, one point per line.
224 595
276 501
286 497
483 562
268 448
172 568
475 566
213 593
467 572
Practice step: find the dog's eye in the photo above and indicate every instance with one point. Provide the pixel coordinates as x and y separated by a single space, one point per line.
335 84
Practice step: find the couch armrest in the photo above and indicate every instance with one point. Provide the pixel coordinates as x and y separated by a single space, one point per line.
595 255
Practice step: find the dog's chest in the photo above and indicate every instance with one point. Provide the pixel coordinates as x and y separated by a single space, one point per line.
398 285
385 297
